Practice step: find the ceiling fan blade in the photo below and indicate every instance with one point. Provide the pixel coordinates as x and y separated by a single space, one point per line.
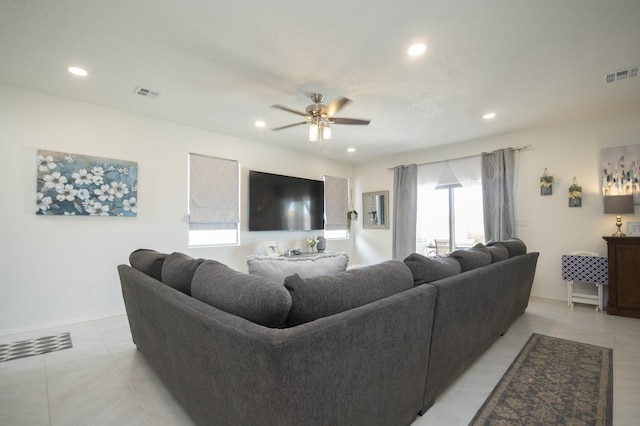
284 108
337 120
336 106
290 125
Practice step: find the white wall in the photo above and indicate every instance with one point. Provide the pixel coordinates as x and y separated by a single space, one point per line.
56 269
63 269
547 224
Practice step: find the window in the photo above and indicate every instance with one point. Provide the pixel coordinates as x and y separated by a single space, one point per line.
214 201
449 212
336 206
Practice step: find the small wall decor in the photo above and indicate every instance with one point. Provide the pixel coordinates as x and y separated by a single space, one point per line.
620 171
79 185
376 206
546 183
575 194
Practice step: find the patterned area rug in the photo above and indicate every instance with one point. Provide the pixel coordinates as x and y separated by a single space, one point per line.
37 346
553 382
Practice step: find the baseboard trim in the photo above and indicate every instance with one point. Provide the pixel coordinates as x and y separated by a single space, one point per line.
61 323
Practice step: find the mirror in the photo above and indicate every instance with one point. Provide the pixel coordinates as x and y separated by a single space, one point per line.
375 207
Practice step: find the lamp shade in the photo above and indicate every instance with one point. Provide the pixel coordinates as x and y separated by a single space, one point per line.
618 204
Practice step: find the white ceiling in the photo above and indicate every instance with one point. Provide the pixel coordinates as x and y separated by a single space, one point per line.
220 65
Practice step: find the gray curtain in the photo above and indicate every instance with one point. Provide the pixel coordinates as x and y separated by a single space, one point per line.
405 188
497 194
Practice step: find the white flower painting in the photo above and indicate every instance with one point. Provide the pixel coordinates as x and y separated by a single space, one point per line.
73 184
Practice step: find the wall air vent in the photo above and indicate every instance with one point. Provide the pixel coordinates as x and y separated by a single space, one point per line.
145 92
619 75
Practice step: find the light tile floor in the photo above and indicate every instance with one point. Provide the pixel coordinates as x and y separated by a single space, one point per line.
104 380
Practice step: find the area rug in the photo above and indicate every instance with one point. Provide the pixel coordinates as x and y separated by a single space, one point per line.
37 346
553 382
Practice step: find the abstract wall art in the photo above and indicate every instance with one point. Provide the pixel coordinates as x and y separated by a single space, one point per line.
620 171
74 185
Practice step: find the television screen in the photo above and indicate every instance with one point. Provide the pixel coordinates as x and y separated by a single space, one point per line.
285 203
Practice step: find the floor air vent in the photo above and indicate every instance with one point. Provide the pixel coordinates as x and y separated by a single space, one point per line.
623 74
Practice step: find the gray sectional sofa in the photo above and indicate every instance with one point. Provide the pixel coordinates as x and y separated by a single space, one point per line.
372 346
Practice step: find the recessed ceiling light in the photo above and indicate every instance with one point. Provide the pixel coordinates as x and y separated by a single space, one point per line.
260 124
351 150
77 71
417 49
489 115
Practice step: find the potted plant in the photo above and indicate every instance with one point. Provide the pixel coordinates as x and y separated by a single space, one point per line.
575 194
546 183
312 242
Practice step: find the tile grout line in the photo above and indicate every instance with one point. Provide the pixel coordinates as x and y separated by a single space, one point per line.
135 395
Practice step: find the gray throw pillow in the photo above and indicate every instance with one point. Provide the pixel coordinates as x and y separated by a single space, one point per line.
254 298
178 270
473 257
148 261
427 269
318 297
498 253
514 246
279 268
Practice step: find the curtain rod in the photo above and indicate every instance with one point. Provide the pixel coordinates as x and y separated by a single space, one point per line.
518 148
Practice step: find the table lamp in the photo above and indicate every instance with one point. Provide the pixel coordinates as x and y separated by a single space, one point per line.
618 204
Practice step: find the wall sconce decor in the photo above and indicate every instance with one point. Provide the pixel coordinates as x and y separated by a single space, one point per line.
546 183
618 204
575 194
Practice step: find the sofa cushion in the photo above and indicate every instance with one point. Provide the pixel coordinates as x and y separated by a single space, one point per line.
178 270
426 269
473 257
254 298
278 268
318 297
148 261
514 246
498 252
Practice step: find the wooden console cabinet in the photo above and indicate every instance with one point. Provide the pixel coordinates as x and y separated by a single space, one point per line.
624 276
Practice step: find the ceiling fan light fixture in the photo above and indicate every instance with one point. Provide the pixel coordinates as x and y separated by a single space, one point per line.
313 132
326 132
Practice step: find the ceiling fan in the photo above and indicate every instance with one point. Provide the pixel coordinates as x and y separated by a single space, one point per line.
319 117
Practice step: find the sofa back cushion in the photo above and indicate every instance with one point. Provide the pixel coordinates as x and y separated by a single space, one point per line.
278 268
473 257
498 252
148 261
426 269
178 270
318 297
514 246
254 298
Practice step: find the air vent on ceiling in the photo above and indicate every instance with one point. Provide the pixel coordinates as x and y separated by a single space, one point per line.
623 74
146 92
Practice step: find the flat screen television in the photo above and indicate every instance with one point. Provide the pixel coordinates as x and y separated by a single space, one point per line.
285 203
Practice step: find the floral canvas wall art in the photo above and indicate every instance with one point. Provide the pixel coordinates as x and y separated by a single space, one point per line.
74 184
620 171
